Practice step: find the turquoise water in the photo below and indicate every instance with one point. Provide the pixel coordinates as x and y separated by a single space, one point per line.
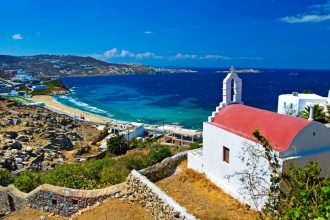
182 98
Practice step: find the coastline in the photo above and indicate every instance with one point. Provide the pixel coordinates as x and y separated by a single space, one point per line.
55 106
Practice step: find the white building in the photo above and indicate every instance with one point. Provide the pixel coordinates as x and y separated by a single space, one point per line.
129 130
22 76
295 103
39 88
230 129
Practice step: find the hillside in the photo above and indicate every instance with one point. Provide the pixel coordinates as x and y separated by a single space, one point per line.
45 66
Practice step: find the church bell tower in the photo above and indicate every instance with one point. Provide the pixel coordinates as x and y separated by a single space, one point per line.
231 91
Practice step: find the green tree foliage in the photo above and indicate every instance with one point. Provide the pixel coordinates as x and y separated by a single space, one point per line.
118 145
298 193
5 177
27 181
158 153
307 91
319 114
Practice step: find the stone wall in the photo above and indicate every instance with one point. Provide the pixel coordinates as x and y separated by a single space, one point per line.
141 190
138 188
58 200
165 168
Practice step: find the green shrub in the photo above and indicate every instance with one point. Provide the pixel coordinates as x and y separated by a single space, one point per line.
158 153
5 177
194 146
27 181
134 161
118 145
114 174
72 176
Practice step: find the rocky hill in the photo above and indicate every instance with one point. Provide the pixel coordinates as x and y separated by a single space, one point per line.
44 66
36 139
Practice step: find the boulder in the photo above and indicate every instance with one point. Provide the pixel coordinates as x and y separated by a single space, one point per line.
83 150
11 134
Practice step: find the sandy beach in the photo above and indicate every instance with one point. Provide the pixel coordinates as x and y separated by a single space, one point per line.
56 106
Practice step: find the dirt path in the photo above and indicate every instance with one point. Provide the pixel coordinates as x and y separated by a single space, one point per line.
116 209
110 210
201 198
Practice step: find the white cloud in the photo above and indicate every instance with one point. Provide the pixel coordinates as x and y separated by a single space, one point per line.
181 56
305 18
148 32
114 53
315 13
215 57
17 37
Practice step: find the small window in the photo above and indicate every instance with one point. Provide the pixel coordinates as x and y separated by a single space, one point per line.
225 154
314 133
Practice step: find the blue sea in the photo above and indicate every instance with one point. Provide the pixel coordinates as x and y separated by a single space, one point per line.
183 98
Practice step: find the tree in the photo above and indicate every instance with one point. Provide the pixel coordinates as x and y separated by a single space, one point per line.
291 110
294 193
158 153
307 91
319 114
118 145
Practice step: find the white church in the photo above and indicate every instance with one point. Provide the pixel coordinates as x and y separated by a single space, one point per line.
231 127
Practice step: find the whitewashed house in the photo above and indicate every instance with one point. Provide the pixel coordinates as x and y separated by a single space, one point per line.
295 103
22 76
230 129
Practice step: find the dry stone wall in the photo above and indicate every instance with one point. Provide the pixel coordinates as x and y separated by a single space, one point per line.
143 191
138 188
165 168
58 200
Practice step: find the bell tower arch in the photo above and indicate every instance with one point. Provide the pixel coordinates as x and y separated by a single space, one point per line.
232 88
231 91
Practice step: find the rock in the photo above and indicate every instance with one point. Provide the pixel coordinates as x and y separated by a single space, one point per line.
23 138
40 151
11 134
16 145
10 164
61 142
83 150
28 149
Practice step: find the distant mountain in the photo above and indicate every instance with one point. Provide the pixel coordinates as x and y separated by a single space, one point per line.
44 66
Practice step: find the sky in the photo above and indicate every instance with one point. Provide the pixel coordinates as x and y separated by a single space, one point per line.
181 33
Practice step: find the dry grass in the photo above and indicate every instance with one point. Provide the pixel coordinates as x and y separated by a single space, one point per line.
202 198
112 209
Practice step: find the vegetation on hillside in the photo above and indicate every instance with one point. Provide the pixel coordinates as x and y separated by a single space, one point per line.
54 86
91 174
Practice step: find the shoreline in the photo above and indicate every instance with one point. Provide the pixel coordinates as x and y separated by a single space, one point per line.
60 108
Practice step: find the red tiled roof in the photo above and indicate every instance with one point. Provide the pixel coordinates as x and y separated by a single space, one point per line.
278 129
